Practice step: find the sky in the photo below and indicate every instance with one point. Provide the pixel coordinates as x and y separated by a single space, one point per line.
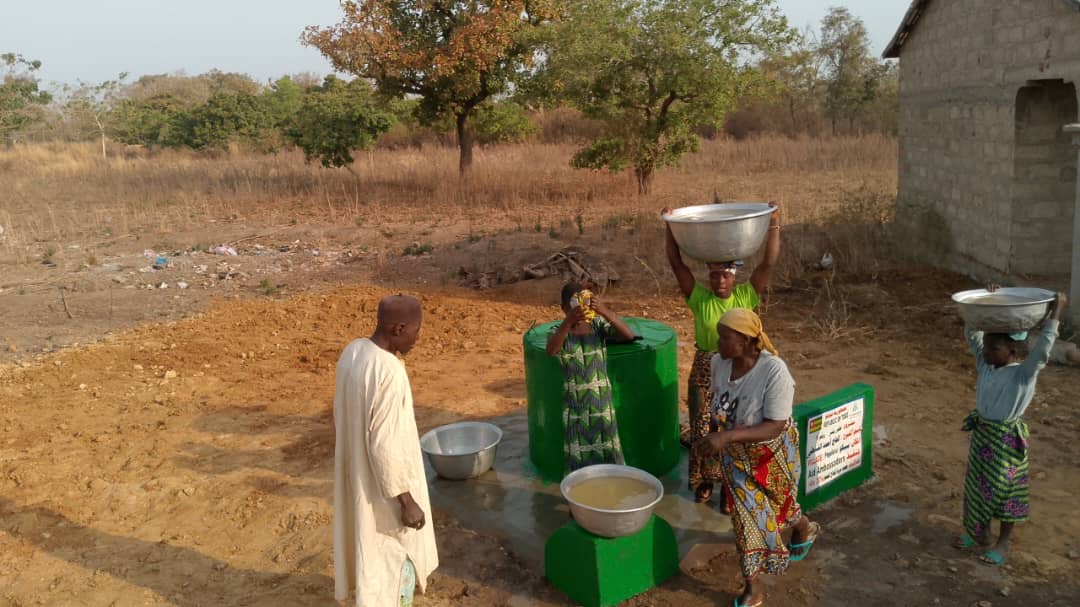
95 40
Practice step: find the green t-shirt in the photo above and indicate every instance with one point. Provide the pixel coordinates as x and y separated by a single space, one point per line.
708 308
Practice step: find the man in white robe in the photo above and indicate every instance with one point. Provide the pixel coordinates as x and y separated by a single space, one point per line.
382 530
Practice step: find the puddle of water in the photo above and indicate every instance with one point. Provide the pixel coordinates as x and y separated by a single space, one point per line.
889 515
512 501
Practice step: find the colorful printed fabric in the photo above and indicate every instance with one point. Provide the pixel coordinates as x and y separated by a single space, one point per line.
996 485
591 432
701 469
408 583
764 478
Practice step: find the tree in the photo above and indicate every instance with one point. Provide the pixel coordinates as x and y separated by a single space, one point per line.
502 122
283 101
797 73
453 55
653 70
225 118
883 113
852 73
21 101
90 108
337 119
149 122
231 82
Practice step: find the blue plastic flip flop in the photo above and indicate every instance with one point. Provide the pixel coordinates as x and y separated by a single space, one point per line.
965 542
737 603
993 557
815 531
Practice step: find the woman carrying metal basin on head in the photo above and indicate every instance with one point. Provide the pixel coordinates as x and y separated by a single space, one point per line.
708 303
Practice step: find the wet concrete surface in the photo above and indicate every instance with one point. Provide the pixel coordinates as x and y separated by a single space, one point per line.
888 516
512 502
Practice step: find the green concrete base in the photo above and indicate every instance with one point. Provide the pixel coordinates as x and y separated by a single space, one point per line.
601 572
809 416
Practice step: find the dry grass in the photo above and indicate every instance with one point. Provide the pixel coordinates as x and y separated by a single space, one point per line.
55 193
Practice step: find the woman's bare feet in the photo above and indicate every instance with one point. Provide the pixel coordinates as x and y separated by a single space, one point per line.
703 493
753 596
804 535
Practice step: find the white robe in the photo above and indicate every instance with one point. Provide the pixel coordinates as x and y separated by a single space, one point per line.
376 458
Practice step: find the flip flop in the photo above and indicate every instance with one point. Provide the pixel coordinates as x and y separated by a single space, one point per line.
964 542
737 603
993 557
815 531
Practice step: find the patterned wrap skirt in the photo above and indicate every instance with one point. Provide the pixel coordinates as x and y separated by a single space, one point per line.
698 400
997 485
764 486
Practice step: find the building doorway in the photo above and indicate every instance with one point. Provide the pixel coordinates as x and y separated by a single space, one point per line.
1044 180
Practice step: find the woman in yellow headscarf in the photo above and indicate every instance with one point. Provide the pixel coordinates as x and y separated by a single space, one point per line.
758 444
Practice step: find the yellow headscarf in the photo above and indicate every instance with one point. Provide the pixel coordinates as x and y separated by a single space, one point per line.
749 324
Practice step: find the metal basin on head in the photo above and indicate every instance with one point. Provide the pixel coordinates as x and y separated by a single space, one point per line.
1007 310
611 522
462 450
720 232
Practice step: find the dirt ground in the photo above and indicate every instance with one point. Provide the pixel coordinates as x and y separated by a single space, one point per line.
168 446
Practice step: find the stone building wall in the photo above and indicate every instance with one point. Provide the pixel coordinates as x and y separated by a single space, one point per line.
961 71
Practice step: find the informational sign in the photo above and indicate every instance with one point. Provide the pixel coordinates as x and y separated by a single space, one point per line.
834 444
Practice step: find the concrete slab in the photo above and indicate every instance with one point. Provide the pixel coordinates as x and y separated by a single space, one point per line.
512 502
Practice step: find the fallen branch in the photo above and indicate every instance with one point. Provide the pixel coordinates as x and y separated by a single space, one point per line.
64 301
656 279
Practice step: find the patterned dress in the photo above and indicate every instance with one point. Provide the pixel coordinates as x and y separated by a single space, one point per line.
701 469
591 433
764 481
996 485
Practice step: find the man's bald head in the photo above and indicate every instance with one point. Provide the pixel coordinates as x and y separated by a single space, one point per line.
399 319
399 309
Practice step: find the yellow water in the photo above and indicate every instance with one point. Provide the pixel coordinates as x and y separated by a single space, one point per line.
998 299
613 493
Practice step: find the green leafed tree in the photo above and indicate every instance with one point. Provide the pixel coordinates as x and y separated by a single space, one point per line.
653 70
452 55
283 100
337 119
852 73
503 122
224 119
22 102
796 71
152 122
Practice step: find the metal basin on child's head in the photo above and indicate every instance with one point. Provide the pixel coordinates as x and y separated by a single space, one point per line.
462 450
720 232
1007 310
611 521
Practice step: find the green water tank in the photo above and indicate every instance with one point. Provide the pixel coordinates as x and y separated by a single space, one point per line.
645 384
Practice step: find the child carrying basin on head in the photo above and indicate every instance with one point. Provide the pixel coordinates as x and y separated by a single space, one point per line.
996 485
580 344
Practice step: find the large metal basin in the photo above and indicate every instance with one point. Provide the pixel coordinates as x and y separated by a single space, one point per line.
720 232
610 523
1007 310
462 450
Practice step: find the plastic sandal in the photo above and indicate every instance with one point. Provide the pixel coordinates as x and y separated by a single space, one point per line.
964 542
815 531
993 557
